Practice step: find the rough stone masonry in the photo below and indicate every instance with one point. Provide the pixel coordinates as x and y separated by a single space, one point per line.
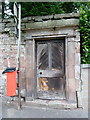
40 26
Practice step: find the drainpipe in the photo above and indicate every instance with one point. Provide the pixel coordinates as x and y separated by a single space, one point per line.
17 15
18 58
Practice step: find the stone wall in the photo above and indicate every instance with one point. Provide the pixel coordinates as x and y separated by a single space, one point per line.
37 27
8 55
61 24
85 84
55 26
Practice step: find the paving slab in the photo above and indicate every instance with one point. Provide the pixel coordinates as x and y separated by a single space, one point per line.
10 110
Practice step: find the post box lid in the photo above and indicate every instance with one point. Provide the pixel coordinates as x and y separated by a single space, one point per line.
9 70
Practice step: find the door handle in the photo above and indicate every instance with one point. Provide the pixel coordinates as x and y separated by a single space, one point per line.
40 73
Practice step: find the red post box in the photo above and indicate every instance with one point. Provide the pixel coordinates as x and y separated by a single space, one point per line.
11 83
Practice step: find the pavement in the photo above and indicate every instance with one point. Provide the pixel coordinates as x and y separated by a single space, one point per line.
10 110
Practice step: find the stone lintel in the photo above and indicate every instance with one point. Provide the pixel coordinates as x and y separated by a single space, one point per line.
53 24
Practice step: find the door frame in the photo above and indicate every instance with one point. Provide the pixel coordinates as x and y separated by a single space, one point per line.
35 61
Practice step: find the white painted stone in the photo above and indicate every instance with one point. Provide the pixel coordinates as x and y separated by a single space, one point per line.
77 72
77 33
77 59
77 47
80 104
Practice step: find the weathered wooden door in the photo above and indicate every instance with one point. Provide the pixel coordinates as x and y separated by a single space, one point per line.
50 69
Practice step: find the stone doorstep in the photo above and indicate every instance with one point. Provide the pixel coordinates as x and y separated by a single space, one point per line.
55 104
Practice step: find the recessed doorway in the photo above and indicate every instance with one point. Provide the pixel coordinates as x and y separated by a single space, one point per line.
50 62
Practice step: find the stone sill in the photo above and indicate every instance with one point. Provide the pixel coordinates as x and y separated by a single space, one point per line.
54 104
48 104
